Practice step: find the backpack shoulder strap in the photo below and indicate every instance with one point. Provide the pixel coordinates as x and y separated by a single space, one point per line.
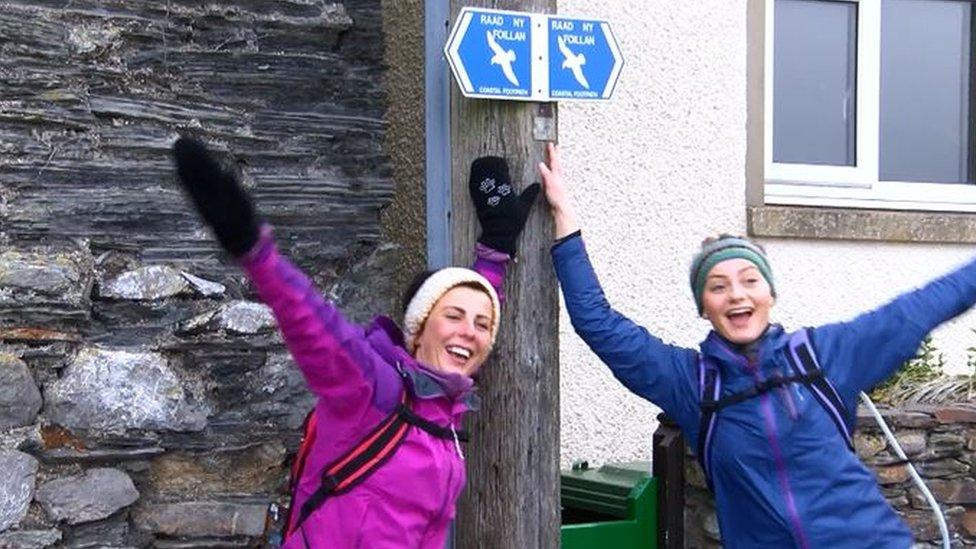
807 370
804 362
309 428
358 463
709 390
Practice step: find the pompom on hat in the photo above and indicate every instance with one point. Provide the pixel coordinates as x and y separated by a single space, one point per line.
432 289
715 250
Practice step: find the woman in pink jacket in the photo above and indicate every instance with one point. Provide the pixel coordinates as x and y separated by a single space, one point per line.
388 467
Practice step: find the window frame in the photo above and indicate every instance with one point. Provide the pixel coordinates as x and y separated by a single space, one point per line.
855 186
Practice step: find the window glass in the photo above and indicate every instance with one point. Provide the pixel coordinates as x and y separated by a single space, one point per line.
925 72
814 75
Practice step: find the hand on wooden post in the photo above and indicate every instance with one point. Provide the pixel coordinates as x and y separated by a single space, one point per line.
557 193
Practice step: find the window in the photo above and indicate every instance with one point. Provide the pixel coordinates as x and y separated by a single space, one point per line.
868 104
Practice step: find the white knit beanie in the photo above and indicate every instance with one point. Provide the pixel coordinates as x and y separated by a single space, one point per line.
436 286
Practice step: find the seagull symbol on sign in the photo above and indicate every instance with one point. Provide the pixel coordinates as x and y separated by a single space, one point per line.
573 62
503 58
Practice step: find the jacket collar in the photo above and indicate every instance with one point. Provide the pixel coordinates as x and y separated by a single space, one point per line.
424 382
726 353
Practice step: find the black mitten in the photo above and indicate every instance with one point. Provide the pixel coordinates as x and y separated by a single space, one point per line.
501 210
217 195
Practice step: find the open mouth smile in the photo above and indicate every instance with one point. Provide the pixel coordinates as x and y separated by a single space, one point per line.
458 353
739 317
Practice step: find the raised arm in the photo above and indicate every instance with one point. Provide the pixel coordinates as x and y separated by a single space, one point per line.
661 373
502 213
493 265
860 353
331 352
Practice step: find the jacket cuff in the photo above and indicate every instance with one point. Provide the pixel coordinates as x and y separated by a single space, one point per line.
482 251
578 233
261 248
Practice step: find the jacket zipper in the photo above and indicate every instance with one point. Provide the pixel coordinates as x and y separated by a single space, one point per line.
781 470
457 443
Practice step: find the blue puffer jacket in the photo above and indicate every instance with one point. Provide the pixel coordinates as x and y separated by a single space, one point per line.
783 476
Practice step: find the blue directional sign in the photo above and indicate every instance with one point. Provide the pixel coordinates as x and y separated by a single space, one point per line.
490 52
498 54
584 59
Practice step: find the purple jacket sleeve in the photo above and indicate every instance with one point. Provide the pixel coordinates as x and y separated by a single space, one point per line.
338 363
492 264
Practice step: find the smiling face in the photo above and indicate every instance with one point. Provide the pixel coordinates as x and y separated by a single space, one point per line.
456 336
737 300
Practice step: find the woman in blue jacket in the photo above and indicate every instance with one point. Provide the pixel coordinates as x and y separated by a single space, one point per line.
769 411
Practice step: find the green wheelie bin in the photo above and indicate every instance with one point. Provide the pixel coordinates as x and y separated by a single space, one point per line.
613 506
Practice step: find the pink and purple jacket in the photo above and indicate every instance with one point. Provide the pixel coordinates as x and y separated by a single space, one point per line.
410 500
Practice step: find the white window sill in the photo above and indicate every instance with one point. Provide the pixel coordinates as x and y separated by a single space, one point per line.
884 195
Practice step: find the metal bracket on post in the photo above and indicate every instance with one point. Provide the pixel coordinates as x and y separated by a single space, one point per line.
544 123
669 468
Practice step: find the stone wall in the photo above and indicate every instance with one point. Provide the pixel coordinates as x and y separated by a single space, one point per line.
145 397
939 440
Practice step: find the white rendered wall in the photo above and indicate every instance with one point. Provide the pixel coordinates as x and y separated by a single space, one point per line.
660 167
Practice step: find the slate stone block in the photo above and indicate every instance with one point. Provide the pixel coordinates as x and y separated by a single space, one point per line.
120 389
16 486
93 495
20 399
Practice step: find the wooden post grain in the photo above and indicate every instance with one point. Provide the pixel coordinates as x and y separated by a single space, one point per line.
512 494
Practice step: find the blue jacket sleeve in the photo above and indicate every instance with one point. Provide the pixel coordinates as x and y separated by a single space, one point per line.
858 354
662 373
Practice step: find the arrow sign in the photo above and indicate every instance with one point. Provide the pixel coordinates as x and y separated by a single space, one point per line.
584 60
490 52
498 54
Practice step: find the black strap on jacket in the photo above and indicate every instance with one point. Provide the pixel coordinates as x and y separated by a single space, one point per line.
446 433
712 406
807 370
804 361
